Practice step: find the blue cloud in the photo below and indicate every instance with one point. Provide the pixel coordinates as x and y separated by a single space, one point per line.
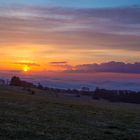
113 67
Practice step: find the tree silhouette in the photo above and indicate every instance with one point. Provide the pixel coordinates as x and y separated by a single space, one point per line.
15 81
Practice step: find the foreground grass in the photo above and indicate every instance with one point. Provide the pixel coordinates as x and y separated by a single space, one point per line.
26 117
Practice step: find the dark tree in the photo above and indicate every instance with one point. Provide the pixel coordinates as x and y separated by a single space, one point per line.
15 81
85 89
40 86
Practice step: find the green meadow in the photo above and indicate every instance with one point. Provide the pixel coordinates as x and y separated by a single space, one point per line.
32 117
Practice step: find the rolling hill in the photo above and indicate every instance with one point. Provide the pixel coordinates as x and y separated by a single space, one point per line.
45 117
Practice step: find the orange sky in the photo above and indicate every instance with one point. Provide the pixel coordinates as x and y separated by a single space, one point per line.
15 57
36 36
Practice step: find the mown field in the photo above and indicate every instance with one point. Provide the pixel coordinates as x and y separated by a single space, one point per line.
31 117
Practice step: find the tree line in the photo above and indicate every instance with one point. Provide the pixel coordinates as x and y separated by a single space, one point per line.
125 96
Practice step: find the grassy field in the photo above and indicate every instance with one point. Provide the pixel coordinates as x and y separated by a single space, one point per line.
31 117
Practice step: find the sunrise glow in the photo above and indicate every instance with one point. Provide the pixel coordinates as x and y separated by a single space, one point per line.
26 68
84 36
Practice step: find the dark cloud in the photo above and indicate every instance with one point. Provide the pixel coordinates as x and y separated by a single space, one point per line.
26 63
113 67
62 64
58 63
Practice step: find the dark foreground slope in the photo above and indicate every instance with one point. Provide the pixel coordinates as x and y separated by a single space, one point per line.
31 117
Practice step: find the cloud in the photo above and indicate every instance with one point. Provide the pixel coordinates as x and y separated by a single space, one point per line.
75 35
26 63
117 28
109 67
62 64
58 63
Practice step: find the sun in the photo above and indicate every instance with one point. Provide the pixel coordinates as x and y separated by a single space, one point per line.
26 68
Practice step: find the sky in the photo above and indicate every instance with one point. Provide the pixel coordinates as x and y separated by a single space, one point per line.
77 3
83 36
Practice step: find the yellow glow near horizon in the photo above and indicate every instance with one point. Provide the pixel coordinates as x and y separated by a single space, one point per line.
35 57
26 68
